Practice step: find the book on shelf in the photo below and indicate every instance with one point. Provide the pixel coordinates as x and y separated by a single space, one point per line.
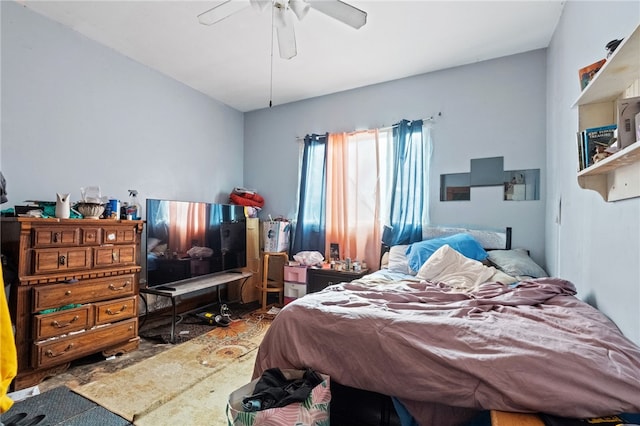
596 140
580 136
587 73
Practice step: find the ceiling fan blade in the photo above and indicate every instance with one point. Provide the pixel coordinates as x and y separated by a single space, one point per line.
341 11
260 4
299 7
222 11
285 32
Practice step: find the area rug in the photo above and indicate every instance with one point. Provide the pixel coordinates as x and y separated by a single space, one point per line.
205 403
59 406
144 387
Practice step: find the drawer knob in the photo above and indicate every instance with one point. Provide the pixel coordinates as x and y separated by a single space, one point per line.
67 293
114 288
114 255
62 260
58 325
50 353
110 312
56 237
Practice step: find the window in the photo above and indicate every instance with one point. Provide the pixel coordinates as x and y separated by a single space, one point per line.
368 180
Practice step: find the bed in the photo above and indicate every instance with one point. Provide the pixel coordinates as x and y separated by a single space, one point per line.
448 341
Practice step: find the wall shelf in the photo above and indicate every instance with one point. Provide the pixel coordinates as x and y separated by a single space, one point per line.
615 76
618 176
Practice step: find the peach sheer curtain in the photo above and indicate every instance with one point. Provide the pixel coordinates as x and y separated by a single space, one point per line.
186 220
353 196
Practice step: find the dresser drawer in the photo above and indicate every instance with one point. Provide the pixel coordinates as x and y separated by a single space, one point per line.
57 323
115 255
119 235
116 310
86 291
65 349
56 236
47 261
91 236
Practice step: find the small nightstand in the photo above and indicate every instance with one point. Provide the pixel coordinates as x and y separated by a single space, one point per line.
318 279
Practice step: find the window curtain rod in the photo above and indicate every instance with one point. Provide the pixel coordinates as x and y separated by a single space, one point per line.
431 118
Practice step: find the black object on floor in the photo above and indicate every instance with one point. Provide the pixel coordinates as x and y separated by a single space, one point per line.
351 406
60 406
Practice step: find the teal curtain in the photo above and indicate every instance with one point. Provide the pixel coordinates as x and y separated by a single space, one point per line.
408 192
311 221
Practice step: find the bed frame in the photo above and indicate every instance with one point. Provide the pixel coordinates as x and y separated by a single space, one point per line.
489 239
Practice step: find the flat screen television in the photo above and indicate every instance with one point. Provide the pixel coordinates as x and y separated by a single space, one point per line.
187 239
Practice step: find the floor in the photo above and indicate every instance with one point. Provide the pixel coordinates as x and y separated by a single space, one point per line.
371 409
154 337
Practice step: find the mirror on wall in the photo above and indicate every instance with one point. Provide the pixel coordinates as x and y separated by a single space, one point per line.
522 185
455 187
519 185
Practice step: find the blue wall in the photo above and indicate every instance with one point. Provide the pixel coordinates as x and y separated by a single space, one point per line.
489 109
594 244
76 113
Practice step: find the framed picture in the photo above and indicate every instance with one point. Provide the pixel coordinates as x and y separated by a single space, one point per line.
334 249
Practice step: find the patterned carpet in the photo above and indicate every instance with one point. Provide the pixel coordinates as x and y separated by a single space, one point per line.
138 390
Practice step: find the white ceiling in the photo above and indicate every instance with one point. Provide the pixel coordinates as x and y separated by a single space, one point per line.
231 60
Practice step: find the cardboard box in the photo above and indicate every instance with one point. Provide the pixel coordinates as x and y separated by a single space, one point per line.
627 109
276 236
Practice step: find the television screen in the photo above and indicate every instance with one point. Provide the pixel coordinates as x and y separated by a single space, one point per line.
191 239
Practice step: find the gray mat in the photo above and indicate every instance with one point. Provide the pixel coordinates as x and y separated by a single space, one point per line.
60 406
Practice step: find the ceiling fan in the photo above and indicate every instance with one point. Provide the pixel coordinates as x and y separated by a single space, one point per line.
282 16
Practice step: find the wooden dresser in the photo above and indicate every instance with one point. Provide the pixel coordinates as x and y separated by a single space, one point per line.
76 292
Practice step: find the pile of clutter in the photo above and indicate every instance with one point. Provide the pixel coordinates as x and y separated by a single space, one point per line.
248 198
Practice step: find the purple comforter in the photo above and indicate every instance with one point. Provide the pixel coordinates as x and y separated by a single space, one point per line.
532 348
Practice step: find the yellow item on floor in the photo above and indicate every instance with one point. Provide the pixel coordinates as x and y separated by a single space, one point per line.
8 356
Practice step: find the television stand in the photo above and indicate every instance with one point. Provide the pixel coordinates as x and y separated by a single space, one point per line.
193 285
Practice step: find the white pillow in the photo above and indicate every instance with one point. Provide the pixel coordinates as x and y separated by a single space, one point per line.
398 261
516 262
448 266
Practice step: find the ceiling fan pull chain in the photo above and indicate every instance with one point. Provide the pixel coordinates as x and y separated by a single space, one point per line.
271 64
